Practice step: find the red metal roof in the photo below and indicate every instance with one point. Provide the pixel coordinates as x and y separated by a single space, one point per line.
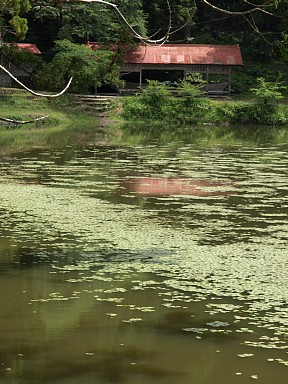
186 54
29 47
182 54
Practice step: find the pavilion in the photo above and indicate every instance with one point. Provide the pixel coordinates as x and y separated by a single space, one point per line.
171 62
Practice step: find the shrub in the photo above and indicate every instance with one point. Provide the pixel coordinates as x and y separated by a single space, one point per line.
244 78
156 100
158 104
154 103
251 113
267 92
191 105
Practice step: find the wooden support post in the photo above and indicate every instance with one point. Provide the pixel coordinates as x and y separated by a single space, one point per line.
229 81
140 78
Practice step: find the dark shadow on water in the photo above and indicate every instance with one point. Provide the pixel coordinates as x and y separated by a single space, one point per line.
111 366
28 257
24 256
187 322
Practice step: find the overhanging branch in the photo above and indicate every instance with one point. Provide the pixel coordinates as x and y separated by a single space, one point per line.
255 8
30 90
22 121
115 8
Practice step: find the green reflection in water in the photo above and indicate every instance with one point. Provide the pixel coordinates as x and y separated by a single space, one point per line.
145 133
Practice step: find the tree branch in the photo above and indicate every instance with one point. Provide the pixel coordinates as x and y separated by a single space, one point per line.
125 21
30 90
253 25
255 8
256 5
23 121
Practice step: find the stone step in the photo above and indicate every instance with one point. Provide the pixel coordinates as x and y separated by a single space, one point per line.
90 101
94 103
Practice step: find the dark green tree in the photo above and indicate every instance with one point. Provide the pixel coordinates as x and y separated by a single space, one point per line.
81 22
259 26
10 17
182 12
87 67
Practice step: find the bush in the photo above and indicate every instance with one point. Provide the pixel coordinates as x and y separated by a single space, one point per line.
244 78
267 92
158 104
192 106
252 113
264 110
154 103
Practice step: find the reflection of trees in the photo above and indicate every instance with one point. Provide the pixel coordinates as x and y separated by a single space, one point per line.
15 256
65 332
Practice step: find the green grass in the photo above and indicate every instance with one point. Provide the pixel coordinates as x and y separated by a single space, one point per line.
66 124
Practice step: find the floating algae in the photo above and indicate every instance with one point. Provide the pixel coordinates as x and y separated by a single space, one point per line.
216 259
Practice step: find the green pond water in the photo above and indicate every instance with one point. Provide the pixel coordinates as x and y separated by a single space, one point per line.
151 264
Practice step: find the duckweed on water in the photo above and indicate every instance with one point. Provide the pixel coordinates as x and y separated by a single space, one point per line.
221 249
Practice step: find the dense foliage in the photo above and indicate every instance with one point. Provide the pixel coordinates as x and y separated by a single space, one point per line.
10 20
156 103
262 30
87 67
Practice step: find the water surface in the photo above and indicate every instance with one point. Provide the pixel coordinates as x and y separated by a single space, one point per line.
156 263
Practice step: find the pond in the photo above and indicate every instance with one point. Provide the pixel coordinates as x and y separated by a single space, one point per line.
156 263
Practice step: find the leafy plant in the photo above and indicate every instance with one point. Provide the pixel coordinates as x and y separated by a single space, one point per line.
10 11
87 67
157 103
155 99
192 106
251 113
267 92
153 103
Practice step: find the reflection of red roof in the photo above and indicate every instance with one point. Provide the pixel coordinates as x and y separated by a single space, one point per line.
154 186
183 54
29 47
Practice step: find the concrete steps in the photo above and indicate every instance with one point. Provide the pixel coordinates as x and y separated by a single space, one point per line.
94 103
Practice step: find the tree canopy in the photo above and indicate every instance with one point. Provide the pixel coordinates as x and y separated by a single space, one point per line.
10 17
259 26
260 22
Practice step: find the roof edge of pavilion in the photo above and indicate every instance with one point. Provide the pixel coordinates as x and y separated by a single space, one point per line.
179 54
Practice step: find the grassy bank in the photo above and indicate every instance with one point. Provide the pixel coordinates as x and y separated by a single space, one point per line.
190 106
176 111
65 124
